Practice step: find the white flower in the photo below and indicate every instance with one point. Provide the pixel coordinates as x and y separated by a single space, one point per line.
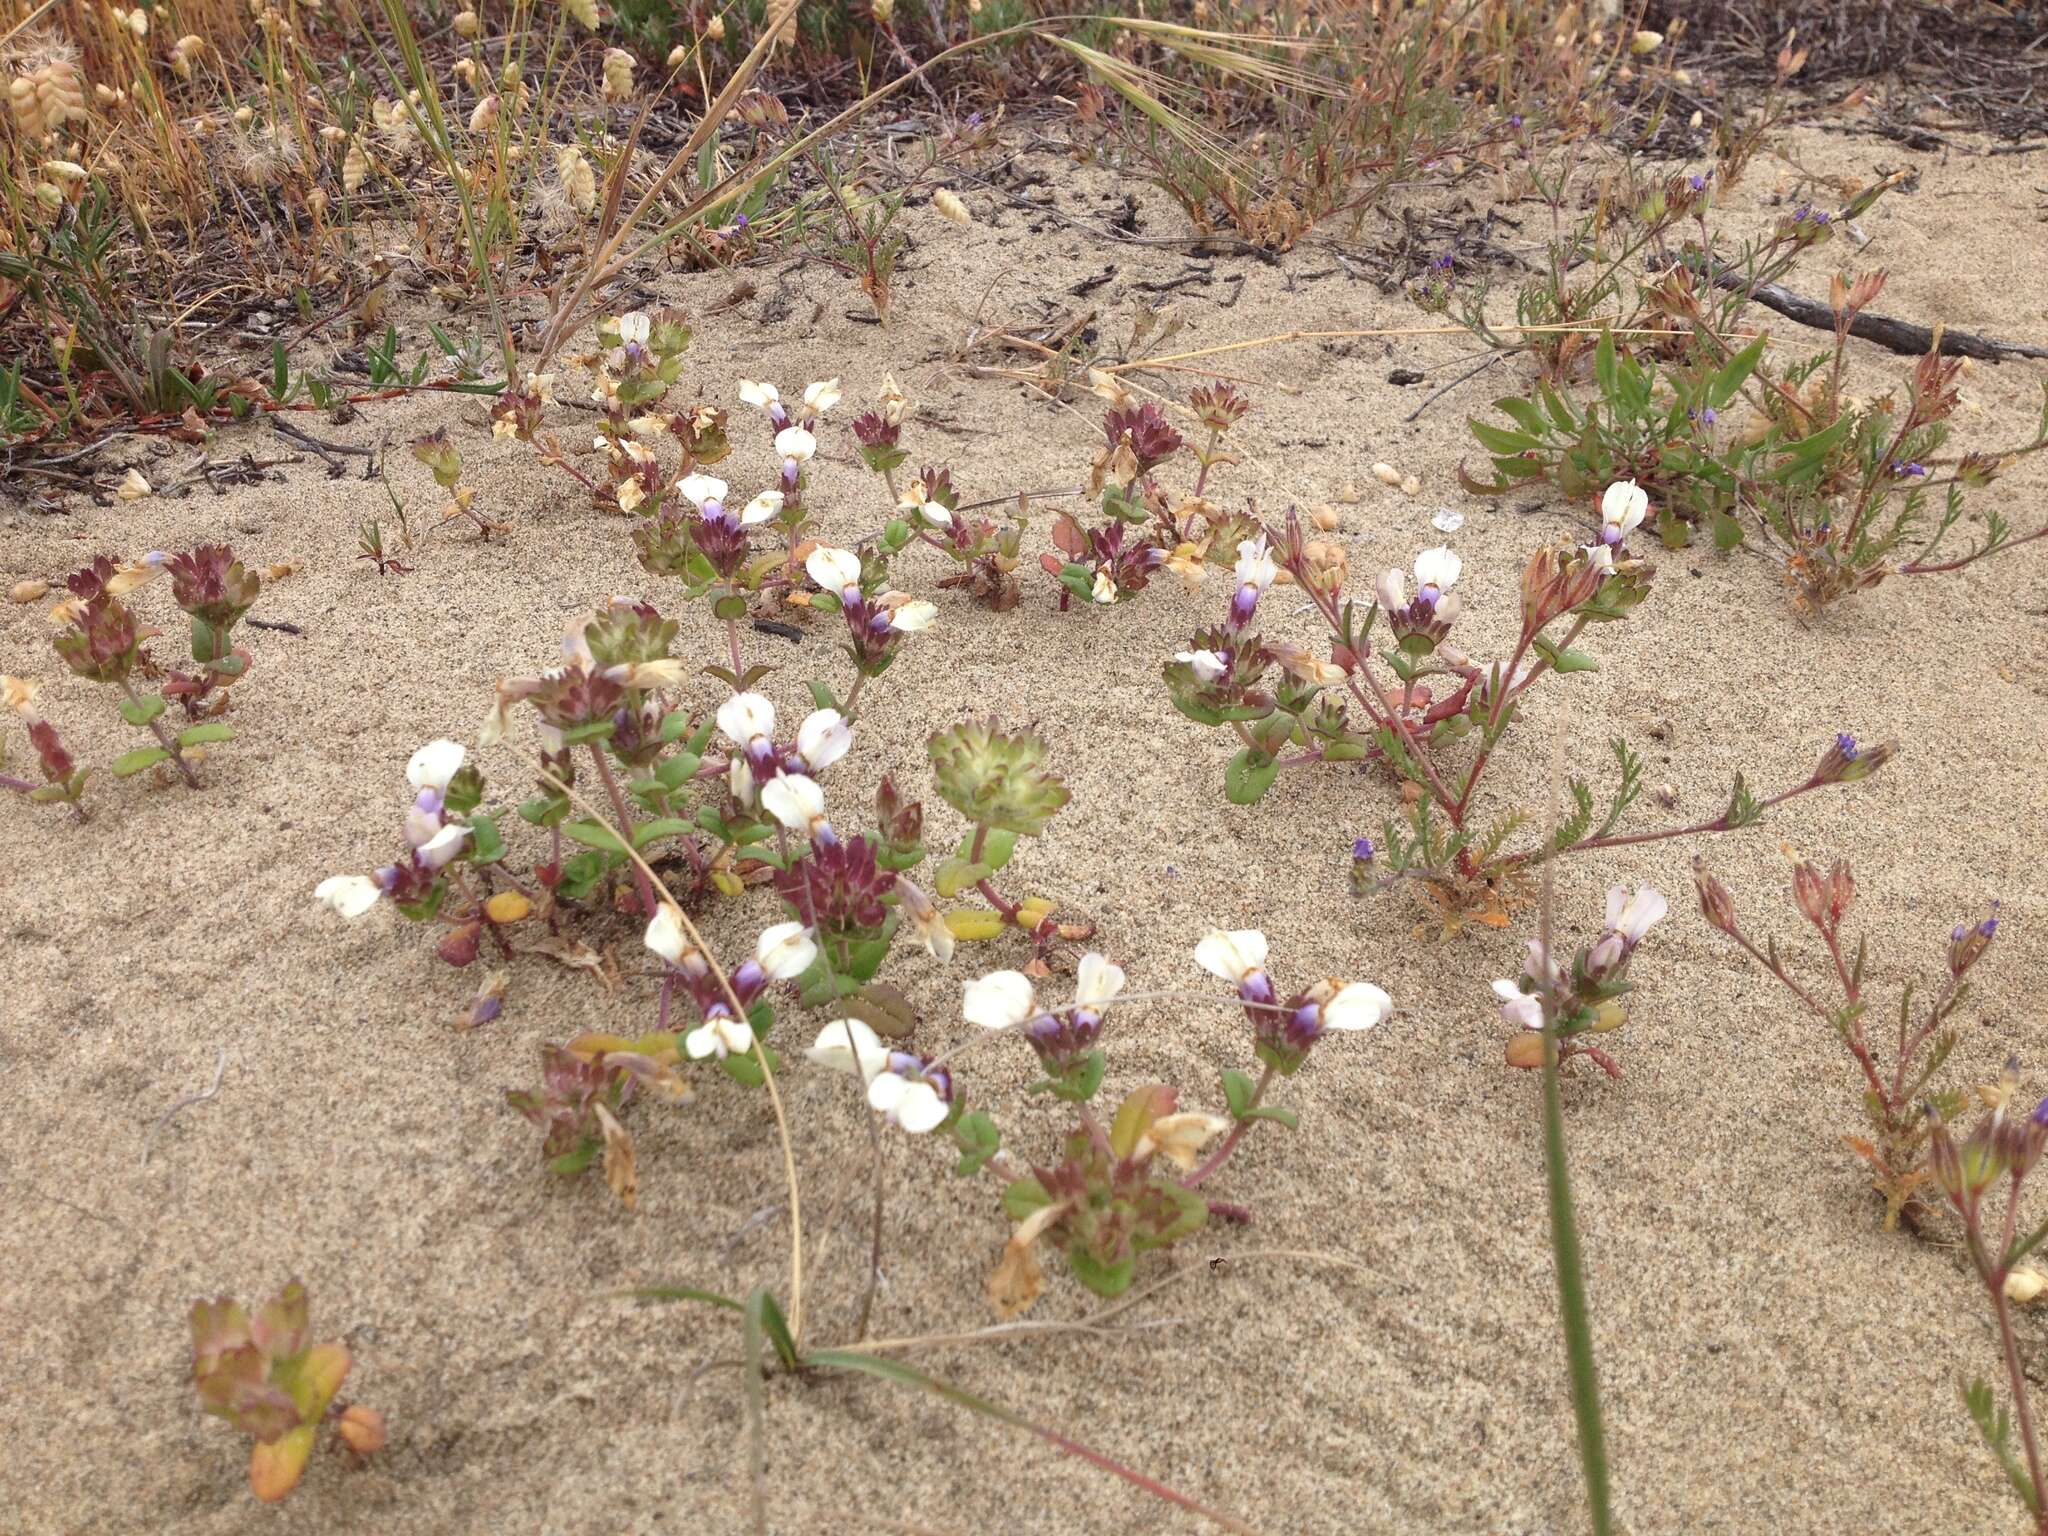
916 500
665 933
833 569
916 1106
999 1000
747 718
441 847
1437 568
786 951
763 395
1234 955
702 488
1600 558
1623 506
1522 1009
927 922
864 1057
720 1036
1208 665
633 328
796 801
1096 981
762 508
913 616
1105 586
795 444
1392 590
350 895
823 738
1359 1005
1632 915
1255 566
739 778
821 396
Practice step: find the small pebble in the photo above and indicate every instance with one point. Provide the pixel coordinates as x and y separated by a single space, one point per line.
1386 474
27 591
1411 486
1326 518
1349 495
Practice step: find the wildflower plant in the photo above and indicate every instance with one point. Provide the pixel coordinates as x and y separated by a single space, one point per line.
1423 710
1563 1010
1902 1099
1000 781
1117 1187
1982 1176
100 638
265 1375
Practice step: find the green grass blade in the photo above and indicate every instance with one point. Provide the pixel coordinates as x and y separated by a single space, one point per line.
1571 1295
909 1376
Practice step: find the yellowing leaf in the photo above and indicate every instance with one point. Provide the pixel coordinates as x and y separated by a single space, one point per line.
1017 1280
275 1469
618 1158
508 907
974 924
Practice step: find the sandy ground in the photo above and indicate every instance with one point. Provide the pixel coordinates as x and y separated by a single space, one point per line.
1772 1361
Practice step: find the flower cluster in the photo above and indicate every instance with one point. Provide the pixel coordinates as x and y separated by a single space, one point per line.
1586 1000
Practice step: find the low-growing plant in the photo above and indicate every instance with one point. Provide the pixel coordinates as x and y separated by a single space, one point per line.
2001 1149
100 639
1291 708
1118 1190
1902 1100
1841 488
264 1374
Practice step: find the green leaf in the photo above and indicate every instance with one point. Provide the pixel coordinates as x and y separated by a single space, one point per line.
486 846
1238 1088
134 762
765 1316
202 735
593 834
1024 1196
997 847
677 1293
1106 1278
596 730
1734 374
956 875
674 724
139 712
978 1139
1248 777
1274 1112
1727 530
667 826
1499 440
1607 367
575 1162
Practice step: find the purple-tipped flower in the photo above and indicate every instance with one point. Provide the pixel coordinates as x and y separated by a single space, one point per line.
1968 942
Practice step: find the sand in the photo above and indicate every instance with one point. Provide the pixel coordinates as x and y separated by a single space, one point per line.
1379 1352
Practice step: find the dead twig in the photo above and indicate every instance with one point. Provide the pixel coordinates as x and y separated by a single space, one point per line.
1900 336
212 1092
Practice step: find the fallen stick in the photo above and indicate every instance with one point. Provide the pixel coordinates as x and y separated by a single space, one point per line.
212 1092
1898 335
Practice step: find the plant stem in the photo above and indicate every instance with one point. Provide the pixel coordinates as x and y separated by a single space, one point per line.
164 738
1571 1292
641 883
1222 1153
2016 1374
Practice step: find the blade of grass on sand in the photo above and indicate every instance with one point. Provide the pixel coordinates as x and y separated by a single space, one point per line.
909 1376
1564 1225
